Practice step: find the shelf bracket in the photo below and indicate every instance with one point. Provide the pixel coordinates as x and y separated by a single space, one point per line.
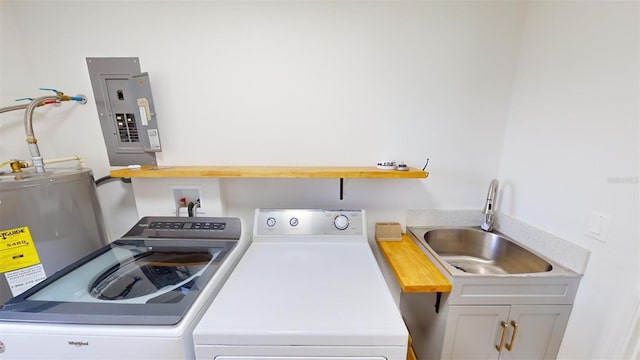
438 298
341 188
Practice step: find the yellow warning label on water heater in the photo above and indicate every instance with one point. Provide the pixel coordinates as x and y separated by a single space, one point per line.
17 249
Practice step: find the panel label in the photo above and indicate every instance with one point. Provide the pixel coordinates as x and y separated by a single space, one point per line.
154 139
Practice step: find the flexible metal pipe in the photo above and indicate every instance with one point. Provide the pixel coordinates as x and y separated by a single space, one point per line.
13 108
36 158
28 115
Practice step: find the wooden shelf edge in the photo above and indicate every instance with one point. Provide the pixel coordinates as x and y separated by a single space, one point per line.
328 172
414 272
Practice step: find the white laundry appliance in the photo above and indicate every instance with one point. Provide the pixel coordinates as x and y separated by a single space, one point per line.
307 288
139 297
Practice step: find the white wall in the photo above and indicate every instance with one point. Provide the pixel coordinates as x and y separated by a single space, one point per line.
352 83
292 83
571 148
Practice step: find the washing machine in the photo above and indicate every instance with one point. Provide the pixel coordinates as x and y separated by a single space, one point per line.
307 288
139 297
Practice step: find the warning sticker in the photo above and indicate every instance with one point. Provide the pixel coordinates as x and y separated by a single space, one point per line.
17 249
23 279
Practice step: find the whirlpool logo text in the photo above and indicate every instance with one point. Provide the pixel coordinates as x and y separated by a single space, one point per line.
78 343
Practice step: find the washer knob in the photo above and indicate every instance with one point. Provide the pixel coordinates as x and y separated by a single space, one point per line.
293 221
341 222
271 222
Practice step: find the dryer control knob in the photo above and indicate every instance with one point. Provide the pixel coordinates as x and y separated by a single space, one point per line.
341 222
271 222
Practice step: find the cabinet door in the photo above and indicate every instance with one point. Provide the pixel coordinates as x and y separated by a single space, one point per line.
472 332
539 331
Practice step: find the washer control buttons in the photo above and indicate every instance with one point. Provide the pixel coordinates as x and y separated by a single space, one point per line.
271 222
293 221
341 222
186 226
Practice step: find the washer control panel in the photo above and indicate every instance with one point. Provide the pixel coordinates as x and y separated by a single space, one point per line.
309 222
180 227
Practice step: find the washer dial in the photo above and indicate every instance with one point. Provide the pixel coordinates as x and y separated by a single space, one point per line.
341 222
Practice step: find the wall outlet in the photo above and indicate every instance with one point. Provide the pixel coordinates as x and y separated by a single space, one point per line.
190 193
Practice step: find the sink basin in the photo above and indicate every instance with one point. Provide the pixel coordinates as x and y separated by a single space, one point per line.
475 251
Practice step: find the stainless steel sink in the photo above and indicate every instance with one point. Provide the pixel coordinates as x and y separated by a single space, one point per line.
475 251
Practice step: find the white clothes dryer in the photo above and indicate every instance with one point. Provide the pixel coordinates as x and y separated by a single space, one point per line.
139 297
307 288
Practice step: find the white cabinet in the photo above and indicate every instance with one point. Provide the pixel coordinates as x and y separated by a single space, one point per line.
471 332
540 331
473 319
504 332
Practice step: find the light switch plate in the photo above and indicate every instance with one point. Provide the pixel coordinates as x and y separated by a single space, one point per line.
598 227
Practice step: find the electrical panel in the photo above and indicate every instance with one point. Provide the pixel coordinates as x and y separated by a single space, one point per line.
125 110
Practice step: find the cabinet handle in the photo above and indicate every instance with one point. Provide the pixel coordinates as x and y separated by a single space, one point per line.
513 336
503 337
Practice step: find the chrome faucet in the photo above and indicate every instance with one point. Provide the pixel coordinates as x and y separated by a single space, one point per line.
488 212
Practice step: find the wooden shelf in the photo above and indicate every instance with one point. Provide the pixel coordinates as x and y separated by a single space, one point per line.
326 172
413 270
